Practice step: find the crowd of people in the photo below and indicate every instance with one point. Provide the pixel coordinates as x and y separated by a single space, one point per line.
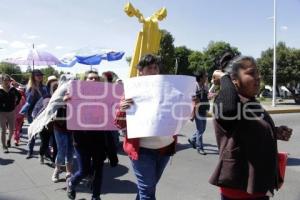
248 168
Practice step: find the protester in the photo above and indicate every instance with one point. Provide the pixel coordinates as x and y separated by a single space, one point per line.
19 117
91 149
47 133
108 77
200 111
64 142
9 99
35 90
246 135
149 156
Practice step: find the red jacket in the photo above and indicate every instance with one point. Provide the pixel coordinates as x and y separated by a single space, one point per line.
132 146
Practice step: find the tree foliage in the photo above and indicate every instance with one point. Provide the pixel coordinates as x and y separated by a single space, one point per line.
49 71
167 53
128 60
288 65
213 53
196 61
182 54
11 69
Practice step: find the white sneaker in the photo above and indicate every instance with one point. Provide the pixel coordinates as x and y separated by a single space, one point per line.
55 175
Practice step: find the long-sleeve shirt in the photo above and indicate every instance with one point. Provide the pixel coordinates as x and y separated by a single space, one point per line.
9 99
31 98
246 138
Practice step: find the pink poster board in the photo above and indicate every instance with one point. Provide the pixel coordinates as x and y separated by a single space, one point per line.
93 105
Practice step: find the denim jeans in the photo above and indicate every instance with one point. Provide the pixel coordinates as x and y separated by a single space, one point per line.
31 143
197 137
64 147
148 170
86 167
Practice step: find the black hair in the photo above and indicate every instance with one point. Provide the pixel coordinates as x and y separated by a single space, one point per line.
90 72
233 66
147 60
225 59
200 75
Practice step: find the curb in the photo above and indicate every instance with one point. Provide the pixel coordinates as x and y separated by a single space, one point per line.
284 111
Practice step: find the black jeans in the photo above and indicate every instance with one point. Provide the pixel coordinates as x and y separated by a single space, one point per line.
85 166
45 136
259 198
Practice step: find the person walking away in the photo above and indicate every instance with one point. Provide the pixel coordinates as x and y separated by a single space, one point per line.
200 111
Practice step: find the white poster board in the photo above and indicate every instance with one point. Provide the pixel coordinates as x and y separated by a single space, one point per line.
162 104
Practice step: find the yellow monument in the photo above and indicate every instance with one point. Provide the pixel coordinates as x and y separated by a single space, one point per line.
148 39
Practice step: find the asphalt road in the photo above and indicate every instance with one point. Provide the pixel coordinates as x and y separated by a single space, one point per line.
185 178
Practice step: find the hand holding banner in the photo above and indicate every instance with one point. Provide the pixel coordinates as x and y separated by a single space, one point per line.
162 104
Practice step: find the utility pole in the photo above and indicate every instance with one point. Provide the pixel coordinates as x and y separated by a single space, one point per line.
274 57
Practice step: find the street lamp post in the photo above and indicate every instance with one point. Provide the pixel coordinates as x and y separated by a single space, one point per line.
274 57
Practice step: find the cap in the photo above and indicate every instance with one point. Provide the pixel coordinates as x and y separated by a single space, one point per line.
51 78
37 72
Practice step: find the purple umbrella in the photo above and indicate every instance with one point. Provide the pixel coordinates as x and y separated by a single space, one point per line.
33 57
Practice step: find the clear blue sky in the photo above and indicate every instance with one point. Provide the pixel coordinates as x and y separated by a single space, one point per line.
62 26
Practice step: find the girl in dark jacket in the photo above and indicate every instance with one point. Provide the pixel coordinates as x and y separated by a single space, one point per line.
9 99
47 133
246 135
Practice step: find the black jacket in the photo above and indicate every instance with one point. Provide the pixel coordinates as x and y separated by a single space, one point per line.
9 100
247 143
100 143
202 95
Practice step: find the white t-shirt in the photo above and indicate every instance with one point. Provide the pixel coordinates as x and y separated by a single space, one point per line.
156 142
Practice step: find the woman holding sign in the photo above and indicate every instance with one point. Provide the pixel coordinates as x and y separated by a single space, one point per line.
91 149
149 156
248 167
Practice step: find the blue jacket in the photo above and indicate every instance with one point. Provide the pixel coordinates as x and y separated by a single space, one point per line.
31 99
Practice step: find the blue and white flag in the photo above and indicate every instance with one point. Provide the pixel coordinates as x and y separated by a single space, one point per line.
93 59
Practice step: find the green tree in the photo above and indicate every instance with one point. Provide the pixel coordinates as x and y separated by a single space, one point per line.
128 60
29 69
49 71
213 53
196 61
167 53
182 54
11 69
288 65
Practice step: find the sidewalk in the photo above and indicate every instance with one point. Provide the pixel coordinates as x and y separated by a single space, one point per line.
285 106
